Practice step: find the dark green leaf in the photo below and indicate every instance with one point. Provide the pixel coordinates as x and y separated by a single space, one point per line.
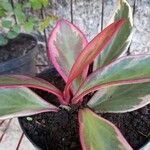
6 23
21 18
6 5
12 35
2 11
16 28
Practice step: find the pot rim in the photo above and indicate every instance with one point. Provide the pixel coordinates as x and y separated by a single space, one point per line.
28 137
21 60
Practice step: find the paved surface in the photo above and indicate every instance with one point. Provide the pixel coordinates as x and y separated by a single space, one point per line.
12 136
87 14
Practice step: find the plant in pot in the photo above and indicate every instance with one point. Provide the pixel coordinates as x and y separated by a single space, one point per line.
17 49
72 119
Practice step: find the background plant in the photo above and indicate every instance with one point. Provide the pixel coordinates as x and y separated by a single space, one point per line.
23 22
122 83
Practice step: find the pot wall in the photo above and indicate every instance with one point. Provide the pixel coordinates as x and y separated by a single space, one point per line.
23 64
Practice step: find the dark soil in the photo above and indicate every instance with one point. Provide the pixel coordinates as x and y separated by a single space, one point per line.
17 47
59 131
54 131
135 126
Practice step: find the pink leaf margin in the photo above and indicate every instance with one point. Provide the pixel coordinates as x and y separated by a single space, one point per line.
54 91
52 51
77 97
81 129
75 71
27 113
50 108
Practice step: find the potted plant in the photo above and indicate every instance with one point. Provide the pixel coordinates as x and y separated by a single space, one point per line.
17 49
72 118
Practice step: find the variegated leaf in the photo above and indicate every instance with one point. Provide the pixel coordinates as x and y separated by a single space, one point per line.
65 43
120 99
91 51
16 102
96 133
13 81
120 42
126 70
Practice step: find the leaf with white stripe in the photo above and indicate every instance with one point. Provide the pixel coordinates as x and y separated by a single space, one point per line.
16 102
14 81
126 70
96 133
64 46
121 41
120 99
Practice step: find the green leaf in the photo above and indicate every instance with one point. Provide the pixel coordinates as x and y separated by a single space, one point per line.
44 24
18 11
6 23
2 11
126 70
21 102
12 35
120 42
120 99
28 26
27 5
36 4
33 19
3 40
6 5
16 28
44 2
96 133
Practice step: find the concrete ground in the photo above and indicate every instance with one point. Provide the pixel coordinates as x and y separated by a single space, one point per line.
12 136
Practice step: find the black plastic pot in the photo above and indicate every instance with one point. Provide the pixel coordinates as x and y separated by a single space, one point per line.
45 75
28 137
23 64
